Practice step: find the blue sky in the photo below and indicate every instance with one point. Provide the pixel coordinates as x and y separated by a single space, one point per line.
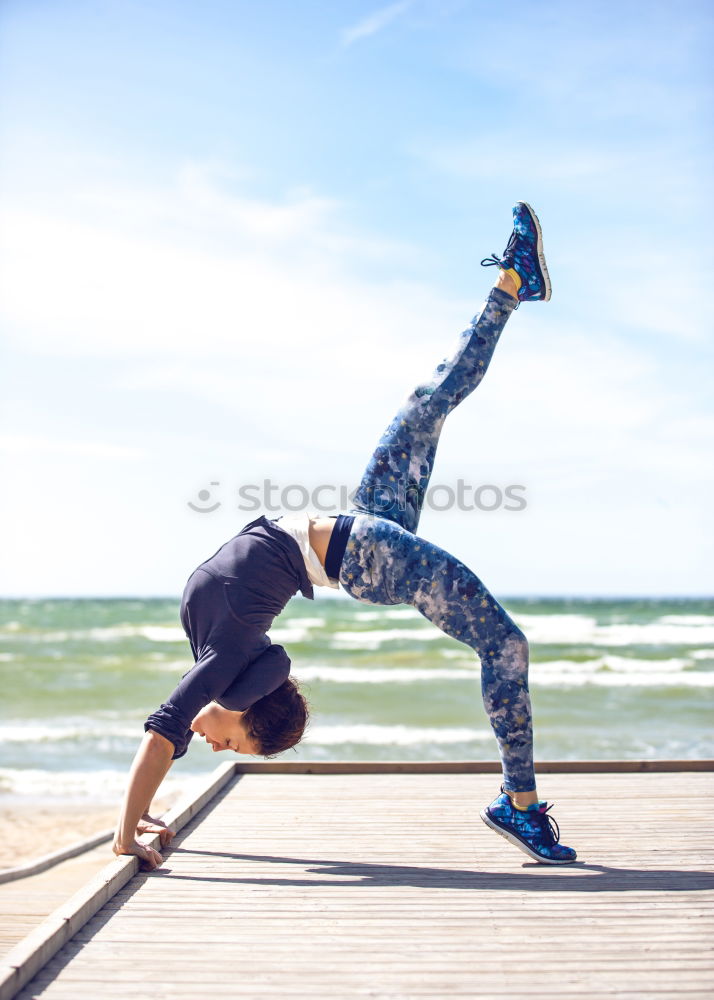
235 234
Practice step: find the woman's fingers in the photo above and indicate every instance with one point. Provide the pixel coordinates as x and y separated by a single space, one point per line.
150 857
166 836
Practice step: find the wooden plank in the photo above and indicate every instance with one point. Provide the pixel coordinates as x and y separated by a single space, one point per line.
470 767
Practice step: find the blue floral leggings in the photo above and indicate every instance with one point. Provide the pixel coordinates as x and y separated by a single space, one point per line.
386 562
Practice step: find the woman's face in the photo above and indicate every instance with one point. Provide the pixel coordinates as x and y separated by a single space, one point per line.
224 730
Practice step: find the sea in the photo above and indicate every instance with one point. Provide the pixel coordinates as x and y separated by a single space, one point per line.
609 679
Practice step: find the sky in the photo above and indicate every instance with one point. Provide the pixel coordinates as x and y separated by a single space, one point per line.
234 235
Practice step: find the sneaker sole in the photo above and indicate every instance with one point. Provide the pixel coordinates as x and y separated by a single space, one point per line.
541 256
514 839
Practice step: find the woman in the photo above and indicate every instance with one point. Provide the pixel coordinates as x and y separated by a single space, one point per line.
239 695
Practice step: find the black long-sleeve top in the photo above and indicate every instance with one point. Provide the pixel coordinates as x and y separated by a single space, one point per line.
229 603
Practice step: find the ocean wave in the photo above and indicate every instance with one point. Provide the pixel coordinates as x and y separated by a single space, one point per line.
580 630
306 622
293 630
154 633
374 638
541 629
290 633
75 731
100 786
619 671
376 675
603 671
584 630
370 616
619 664
685 620
683 680
392 735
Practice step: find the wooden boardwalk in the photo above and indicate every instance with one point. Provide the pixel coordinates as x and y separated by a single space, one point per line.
25 903
389 886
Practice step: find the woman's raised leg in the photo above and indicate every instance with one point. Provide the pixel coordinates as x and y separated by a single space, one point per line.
395 481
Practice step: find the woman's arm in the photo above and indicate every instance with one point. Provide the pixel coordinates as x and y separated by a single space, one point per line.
152 824
150 766
211 674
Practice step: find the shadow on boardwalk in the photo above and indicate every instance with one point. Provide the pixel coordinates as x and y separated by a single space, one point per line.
578 877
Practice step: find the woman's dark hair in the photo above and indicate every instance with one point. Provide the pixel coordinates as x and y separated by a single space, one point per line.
277 721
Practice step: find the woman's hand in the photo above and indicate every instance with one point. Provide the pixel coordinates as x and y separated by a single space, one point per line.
147 824
149 857
152 761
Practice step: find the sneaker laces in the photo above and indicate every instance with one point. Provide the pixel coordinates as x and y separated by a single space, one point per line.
548 824
549 827
494 260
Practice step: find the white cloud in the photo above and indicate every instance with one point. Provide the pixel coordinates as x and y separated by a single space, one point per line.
375 22
254 331
194 270
27 445
234 301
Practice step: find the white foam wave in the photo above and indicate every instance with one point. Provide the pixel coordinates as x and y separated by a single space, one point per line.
394 735
161 633
374 638
154 633
681 680
619 664
370 616
551 630
686 620
583 629
556 628
620 671
289 634
296 631
100 786
372 675
91 729
177 667
653 635
603 671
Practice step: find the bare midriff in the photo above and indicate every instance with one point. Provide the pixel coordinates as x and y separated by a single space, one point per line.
319 532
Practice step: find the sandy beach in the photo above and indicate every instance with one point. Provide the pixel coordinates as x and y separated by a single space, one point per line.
31 828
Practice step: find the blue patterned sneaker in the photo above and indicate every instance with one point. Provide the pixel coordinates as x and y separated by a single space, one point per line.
532 830
524 254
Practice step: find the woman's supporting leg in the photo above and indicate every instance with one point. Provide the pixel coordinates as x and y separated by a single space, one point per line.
395 480
385 564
